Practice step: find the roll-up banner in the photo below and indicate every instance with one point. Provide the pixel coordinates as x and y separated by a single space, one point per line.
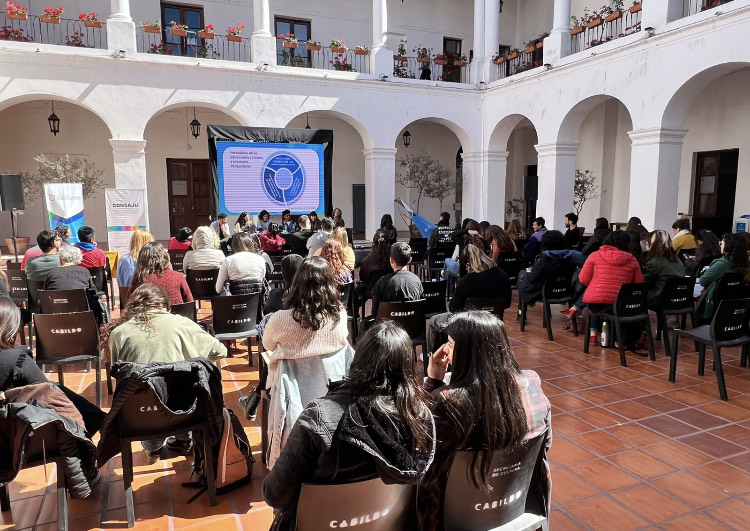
126 211
65 206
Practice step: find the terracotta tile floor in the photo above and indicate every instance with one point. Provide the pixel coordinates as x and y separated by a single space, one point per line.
631 450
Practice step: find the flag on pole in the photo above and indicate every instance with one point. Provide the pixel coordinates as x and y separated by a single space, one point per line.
424 226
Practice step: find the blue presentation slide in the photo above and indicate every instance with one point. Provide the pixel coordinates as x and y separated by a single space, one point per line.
257 176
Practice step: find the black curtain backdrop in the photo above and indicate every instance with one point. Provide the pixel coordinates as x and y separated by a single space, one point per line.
235 133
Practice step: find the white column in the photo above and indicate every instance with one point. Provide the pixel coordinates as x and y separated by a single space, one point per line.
556 171
491 39
494 198
263 42
655 159
130 165
474 190
477 71
120 28
381 58
380 186
557 45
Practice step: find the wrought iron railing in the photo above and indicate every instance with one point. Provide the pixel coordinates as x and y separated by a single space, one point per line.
324 58
63 31
431 69
602 30
514 63
691 7
194 44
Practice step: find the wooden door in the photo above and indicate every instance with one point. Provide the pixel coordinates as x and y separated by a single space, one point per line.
715 183
189 190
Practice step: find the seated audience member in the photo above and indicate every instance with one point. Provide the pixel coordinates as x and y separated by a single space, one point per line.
468 233
298 240
314 221
31 253
374 265
61 230
244 270
532 248
264 220
500 242
70 275
340 235
154 267
49 242
388 229
572 234
489 405
147 332
205 254
64 232
312 323
126 264
661 263
634 247
633 222
374 423
338 220
601 232
483 280
317 240
181 242
442 235
224 230
517 233
603 274
270 239
287 223
682 239
334 255
92 256
707 249
244 223
734 259
401 285
289 266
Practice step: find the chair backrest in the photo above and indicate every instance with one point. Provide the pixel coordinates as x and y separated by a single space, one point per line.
34 286
410 315
275 275
202 282
512 265
175 258
511 475
124 291
678 294
359 255
11 265
107 270
346 292
19 290
631 300
558 286
144 413
63 301
494 305
731 286
236 314
371 504
434 295
705 262
99 276
730 322
418 249
186 309
436 258
66 335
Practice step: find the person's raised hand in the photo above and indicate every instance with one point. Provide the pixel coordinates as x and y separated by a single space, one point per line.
438 363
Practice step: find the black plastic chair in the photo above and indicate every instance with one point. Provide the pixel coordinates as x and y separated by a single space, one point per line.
18 288
10 265
516 500
512 265
728 328
175 258
676 299
276 278
40 448
145 417
557 289
63 338
235 317
110 284
418 252
410 315
33 288
99 277
123 293
186 309
629 307
346 291
435 263
435 297
202 283
494 305
63 301
372 504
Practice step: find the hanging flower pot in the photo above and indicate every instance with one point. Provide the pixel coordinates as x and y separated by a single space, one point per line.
206 35
287 44
500 60
635 8
361 52
613 16
18 16
423 59
400 58
577 30
151 29
594 23
178 32
460 63
50 20
234 38
530 49
539 45
314 47
92 23
441 61
512 56
337 49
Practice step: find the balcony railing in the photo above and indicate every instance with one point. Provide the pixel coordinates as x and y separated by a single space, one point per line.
691 7
324 58
515 63
65 32
432 69
601 30
192 45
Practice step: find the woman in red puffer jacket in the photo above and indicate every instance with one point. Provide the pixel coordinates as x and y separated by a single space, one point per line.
604 272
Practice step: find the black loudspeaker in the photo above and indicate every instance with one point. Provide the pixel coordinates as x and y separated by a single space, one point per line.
11 192
531 187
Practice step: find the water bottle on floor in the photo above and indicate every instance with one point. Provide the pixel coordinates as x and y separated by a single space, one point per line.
605 334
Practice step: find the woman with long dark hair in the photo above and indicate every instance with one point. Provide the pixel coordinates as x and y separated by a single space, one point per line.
661 263
338 220
734 259
500 242
353 432
244 223
489 405
314 221
707 250
388 229
154 266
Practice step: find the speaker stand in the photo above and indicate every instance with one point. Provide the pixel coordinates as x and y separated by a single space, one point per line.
13 220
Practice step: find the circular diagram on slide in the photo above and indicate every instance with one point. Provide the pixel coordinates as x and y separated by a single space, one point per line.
283 178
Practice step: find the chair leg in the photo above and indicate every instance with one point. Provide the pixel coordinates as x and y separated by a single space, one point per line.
4 498
107 371
62 498
548 319
620 343
673 360
98 364
701 359
650 339
666 340
719 372
586 333
523 316
209 464
250 351
127 480
60 377
743 359
661 325
88 367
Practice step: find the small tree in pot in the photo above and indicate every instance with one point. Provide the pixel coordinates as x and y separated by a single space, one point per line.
428 176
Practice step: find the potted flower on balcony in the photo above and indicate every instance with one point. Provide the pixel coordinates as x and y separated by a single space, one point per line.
52 15
460 60
313 46
288 40
423 54
178 30
615 11
595 19
637 6
207 32
150 27
234 33
337 46
529 46
361 50
16 11
90 20
441 58
513 53
576 25
498 58
540 40
401 52
341 63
